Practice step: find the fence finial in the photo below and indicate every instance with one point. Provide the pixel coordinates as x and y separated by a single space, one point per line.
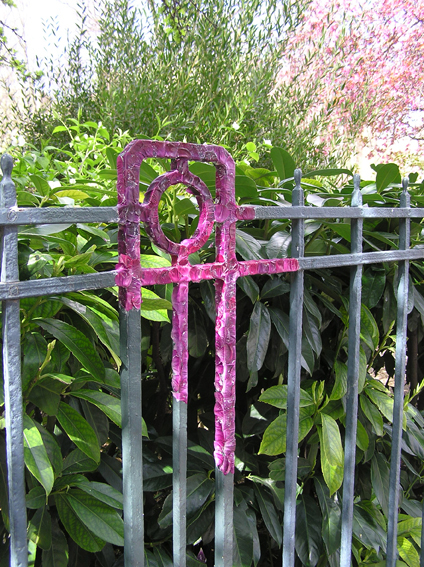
405 184
7 187
405 197
6 163
297 177
356 193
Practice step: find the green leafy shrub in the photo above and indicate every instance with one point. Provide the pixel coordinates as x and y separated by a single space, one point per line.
70 363
203 72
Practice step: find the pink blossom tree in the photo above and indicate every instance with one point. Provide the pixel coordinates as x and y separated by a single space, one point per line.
361 69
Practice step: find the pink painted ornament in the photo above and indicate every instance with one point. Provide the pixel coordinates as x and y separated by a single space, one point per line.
224 212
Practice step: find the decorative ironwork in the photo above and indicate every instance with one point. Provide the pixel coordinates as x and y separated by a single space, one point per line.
225 270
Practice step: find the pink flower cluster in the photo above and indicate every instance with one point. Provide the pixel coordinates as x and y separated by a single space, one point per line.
361 66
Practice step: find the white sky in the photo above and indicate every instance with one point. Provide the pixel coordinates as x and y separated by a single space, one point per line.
28 17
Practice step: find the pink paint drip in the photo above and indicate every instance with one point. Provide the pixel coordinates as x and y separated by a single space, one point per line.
225 270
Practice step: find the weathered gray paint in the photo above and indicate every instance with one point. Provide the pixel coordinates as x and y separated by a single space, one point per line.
293 381
12 379
352 384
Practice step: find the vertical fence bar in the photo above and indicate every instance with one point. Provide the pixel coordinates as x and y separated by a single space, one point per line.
132 464
179 420
12 379
224 519
293 386
225 323
400 362
352 382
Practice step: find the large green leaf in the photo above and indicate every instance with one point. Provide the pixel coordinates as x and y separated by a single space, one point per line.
57 555
308 539
340 386
77 343
280 320
79 431
156 476
275 436
274 287
52 448
154 307
245 187
99 305
105 330
36 457
97 419
202 523
411 527
373 283
199 486
408 552
382 400
46 394
75 527
243 540
78 462
185 207
197 336
162 558
258 338
40 528
386 174
110 405
367 528
372 414
40 184
369 329
36 498
277 396
269 513
247 246
312 332
153 261
362 439
331 516
278 245
250 287
363 367
332 456
34 349
102 492
101 519
283 163
380 479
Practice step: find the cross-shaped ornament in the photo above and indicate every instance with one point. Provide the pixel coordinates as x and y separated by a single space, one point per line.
225 270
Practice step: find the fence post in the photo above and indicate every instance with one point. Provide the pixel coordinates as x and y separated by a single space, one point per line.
130 352
12 378
293 379
352 381
400 362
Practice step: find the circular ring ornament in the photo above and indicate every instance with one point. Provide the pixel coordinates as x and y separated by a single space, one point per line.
152 197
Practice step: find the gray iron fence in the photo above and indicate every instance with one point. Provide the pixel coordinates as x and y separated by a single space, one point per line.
225 213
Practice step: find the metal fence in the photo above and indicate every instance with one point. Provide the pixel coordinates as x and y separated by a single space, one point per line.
224 212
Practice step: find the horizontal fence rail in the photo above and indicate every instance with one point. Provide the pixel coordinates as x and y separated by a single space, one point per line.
223 213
